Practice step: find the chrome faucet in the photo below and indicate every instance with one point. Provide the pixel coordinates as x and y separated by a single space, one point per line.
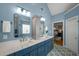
22 40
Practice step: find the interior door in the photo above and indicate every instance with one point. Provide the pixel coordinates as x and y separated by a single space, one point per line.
72 34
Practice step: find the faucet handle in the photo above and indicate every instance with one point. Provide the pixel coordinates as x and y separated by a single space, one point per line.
21 40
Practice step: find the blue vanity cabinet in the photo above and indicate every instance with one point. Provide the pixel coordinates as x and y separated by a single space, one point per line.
23 52
37 50
33 53
40 49
20 53
33 50
46 47
51 44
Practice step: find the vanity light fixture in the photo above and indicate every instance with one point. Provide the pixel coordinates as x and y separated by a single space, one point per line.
18 10
23 12
28 14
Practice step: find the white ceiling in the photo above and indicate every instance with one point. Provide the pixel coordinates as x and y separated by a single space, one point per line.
56 8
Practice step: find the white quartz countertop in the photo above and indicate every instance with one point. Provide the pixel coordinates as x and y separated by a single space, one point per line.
9 47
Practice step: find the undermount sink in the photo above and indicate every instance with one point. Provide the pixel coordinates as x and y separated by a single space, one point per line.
26 42
44 37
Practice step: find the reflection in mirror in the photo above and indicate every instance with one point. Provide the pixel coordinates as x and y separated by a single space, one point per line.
25 29
42 26
16 22
46 29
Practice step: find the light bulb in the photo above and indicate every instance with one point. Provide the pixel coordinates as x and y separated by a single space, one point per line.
24 12
46 28
42 19
18 10
28 14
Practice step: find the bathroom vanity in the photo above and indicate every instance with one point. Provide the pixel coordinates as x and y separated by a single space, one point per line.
23 45
40 47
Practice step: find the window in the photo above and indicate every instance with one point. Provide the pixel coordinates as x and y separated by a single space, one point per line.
6 26
25 29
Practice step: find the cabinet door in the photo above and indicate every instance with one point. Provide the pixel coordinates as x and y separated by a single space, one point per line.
23 52
33 53
45 49
33 50
40 51
20 53
52 43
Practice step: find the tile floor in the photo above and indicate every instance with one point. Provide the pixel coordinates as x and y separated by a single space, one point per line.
60 51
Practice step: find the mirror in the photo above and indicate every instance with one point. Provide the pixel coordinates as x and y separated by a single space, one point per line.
46 30
6 26
42 26
16 22
22 25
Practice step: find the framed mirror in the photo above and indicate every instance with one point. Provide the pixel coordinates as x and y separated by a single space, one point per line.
21 25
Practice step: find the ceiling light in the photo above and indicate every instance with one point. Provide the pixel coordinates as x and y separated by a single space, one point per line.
24 12
42 19
28 14
18 10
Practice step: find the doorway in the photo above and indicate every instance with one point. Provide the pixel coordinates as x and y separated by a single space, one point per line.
58 33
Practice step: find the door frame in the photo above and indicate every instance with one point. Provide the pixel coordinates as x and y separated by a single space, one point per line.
77 30
63 29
